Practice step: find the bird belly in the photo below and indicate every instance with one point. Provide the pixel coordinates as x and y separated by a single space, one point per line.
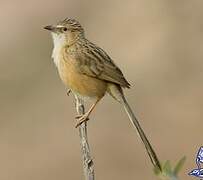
79 83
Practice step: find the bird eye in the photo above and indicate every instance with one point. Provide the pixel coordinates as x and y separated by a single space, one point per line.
65 29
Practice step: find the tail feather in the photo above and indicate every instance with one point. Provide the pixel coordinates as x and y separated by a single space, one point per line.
152 155
116 92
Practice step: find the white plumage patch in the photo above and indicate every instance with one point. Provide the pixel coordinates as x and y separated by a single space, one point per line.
59 41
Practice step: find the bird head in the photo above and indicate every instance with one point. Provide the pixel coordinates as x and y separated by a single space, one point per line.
68 29
66 26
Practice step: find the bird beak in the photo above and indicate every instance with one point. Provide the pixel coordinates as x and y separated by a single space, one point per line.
54 29
50 28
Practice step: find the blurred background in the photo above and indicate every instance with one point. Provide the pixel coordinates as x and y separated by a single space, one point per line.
159 47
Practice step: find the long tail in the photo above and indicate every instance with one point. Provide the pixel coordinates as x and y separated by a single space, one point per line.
152 155
117 93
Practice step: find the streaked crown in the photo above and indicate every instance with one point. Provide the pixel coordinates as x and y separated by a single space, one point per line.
66 26
72 25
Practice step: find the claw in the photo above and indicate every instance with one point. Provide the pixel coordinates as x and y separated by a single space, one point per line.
81 119
78 116
68 92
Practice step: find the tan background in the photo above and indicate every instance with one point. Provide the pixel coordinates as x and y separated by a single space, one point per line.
158 45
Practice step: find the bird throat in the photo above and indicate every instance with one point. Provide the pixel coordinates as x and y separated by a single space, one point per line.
59 41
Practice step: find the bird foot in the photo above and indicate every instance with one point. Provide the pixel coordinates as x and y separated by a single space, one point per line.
81 119
68 92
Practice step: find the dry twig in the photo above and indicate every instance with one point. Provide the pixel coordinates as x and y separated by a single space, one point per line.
88 166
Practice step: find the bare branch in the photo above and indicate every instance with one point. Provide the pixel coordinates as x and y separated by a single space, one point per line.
88 165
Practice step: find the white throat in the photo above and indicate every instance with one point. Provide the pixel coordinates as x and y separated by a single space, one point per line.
59 41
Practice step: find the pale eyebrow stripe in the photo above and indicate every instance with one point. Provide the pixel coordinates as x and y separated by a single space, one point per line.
59 26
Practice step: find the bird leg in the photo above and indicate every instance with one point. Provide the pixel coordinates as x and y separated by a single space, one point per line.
85 117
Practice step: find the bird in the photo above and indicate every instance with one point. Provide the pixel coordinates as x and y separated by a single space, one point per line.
90 72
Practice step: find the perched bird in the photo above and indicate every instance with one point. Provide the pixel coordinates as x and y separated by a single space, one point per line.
89 72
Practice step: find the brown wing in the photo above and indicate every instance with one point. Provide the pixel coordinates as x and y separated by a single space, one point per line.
96 63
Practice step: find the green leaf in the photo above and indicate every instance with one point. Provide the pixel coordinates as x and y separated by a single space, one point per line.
179 165
167 168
